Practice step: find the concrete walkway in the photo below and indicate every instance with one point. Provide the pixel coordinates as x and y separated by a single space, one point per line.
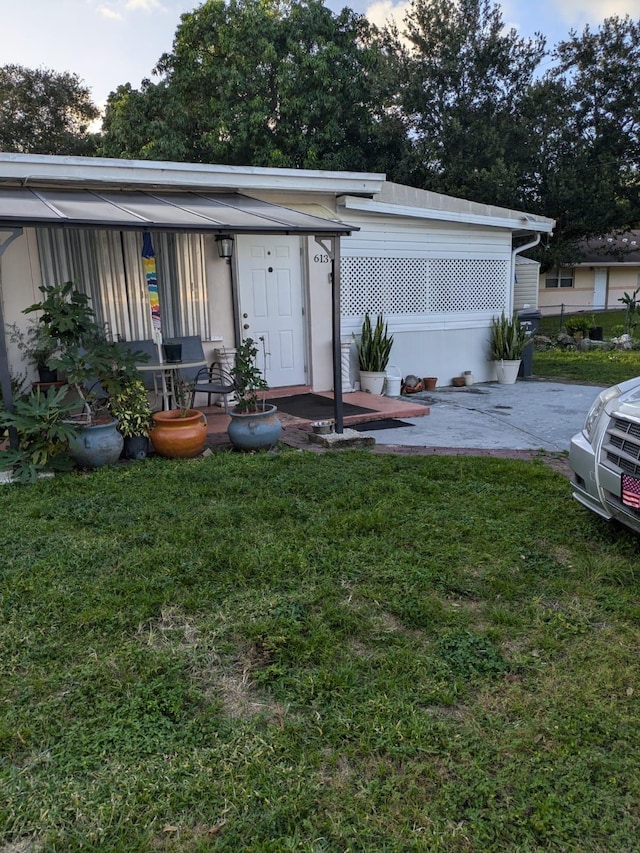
530 415
486 419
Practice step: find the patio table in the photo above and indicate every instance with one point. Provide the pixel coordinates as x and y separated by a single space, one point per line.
169 372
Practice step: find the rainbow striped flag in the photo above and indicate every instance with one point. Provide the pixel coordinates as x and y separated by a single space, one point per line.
149 262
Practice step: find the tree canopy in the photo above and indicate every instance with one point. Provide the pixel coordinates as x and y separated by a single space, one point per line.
266 83
450 100
45 112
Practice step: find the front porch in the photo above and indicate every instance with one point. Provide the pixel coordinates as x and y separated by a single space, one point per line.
382 407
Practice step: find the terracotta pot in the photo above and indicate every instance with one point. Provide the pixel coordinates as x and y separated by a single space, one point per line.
430 382
458 381
179 437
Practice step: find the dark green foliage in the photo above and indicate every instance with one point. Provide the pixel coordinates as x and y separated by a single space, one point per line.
43 434
508 338
44 112
266 84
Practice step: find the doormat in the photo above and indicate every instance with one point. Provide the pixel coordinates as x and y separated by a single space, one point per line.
313 407
386 423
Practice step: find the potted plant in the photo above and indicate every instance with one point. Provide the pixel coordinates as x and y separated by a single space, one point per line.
179 433
254 423
40 420
507 344
38 346
96 373
374 349
130 406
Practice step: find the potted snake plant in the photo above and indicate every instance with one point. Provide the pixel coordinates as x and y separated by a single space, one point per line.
374 349
507 343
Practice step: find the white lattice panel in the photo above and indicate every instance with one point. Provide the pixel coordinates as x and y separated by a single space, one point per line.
419 285
467 285
383 285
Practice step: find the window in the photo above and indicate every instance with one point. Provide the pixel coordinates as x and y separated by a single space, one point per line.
107 265
562 277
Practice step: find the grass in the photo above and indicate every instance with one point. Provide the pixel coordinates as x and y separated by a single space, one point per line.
343 652
612 322
596 366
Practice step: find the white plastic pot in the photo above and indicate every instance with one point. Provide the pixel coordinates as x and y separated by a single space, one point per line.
393 382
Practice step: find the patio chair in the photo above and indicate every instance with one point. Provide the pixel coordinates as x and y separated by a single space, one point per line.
191 351
213 380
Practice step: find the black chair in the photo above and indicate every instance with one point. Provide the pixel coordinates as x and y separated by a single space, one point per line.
191 351
213 380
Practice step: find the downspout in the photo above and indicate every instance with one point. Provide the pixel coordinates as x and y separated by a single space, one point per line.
515 252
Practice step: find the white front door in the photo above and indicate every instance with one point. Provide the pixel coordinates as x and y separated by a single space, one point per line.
271 304
600 287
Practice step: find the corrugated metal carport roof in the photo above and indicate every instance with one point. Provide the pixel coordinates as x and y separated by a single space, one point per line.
126 210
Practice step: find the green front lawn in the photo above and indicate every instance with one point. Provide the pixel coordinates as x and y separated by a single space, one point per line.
597 366
317 653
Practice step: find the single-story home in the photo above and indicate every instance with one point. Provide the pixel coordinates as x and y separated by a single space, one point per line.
610 267
313 251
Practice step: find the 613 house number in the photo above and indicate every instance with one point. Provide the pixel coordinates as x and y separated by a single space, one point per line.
321 259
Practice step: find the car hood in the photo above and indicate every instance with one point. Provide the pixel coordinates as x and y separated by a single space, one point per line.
628 403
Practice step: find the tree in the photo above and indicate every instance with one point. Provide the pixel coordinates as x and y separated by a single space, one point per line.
45 112
590 141
464 79
268 83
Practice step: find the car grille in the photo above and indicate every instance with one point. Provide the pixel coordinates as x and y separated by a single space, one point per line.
622 445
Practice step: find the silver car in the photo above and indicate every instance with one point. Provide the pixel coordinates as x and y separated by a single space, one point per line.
605 456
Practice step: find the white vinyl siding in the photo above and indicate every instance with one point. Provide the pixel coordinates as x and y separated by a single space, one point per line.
413 272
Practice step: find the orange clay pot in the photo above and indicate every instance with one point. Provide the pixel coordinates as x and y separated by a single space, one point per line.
179 437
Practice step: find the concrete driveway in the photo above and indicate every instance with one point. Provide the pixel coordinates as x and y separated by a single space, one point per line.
530 415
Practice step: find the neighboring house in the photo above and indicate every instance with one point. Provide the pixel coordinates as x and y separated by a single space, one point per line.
313 252
609 268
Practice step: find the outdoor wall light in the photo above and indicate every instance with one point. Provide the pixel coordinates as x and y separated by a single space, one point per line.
225 245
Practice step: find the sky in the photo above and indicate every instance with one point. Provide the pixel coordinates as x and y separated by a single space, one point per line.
110 42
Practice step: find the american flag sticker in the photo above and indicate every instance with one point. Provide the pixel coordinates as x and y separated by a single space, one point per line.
630 491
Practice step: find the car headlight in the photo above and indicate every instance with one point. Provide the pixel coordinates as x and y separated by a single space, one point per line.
596 410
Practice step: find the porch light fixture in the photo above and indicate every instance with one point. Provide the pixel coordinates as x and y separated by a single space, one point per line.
225 245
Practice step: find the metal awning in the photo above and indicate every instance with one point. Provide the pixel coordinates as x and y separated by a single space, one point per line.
127 210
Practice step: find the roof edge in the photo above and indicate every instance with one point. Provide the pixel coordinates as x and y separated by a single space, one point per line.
42 169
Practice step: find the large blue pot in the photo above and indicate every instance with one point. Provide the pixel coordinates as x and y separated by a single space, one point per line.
96 445
254 430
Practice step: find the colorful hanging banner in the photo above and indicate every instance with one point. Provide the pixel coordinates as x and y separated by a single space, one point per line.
149 262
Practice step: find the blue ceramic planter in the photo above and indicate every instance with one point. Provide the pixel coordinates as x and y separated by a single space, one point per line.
96 445
254 430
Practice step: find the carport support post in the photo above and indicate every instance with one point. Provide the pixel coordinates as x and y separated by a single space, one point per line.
333 250
5 373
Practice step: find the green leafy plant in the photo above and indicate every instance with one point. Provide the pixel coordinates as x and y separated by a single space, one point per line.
249 377
374 346
130 405
36 343
41 422
182 395
96 373
65 314
632 310
579 324
508 338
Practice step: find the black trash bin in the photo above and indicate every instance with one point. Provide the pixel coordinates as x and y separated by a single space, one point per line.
530 321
